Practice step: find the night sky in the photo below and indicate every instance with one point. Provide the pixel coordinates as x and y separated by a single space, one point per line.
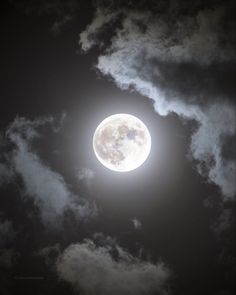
68 225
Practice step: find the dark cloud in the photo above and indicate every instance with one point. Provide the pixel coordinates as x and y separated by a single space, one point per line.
7 232
6 174
50 254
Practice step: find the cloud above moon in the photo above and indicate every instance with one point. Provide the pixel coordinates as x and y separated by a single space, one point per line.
169 60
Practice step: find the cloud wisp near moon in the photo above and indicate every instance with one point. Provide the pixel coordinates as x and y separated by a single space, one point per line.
146 53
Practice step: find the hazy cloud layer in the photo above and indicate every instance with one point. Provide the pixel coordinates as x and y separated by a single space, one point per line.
94 270
180 63
47 187
103 17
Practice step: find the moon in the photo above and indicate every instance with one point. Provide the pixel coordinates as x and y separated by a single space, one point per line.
122 142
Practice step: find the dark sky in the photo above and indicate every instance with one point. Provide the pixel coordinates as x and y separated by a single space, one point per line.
68 225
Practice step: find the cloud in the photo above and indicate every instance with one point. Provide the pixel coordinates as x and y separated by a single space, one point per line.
209 142
181 63
196 39
47 187
6 174
60 123
94 270
88 37
6 171
50 254
225 222
137 224
85 174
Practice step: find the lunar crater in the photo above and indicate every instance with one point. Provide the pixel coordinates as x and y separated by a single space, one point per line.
122 142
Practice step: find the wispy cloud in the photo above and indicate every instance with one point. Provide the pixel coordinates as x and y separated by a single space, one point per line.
137 224
85 174
179 63
46 186
50 254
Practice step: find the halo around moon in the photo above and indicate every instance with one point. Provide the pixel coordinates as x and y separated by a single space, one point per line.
122 142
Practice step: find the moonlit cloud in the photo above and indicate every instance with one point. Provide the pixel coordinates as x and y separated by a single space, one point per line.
47 187
93 270
209 142
137 224
149 54
102 18
85 174
183 40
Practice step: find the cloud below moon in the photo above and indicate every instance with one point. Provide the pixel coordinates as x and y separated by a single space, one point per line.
94 270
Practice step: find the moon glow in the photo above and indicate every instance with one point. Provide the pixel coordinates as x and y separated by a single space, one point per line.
122 142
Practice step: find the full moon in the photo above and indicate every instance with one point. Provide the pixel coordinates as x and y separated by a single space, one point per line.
122 142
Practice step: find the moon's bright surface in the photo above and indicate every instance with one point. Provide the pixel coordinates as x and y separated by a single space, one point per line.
122 142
